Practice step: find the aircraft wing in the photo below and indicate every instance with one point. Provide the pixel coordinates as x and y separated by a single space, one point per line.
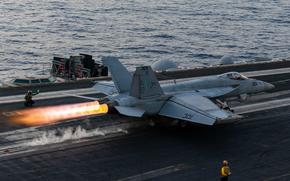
105 87
216 92
193 108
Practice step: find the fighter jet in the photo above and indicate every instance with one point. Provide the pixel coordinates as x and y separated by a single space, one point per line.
197 100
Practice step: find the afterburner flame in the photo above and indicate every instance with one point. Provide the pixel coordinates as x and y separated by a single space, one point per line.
52 114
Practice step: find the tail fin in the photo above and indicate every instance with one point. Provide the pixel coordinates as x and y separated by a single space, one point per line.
145 84
121 76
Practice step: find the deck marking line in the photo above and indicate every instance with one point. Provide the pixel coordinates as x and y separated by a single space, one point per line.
156 173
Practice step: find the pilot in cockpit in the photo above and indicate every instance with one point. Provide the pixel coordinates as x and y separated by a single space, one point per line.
235 76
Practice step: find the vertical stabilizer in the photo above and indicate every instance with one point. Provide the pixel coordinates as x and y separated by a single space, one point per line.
121 76
145 84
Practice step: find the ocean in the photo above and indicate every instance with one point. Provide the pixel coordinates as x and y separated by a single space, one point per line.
140 32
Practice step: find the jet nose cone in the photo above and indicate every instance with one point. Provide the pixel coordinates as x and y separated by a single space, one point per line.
269 86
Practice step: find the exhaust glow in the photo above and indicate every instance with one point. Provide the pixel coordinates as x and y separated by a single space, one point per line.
52 114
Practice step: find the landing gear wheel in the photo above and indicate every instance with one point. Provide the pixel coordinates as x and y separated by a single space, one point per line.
182 124
151 123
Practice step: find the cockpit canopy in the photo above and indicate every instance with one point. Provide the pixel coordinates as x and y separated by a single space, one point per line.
233 76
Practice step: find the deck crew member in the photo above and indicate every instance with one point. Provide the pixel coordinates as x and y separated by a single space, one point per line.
28 98
225 171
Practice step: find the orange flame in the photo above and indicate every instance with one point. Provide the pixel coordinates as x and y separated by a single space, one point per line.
52 114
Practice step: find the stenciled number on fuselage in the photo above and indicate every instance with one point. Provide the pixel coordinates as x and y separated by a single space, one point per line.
187 116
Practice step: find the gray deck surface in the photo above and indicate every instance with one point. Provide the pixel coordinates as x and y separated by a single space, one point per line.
257 148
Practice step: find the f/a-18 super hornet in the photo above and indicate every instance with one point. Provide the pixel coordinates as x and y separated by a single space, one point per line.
197 100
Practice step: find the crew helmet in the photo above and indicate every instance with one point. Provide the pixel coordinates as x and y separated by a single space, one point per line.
225 163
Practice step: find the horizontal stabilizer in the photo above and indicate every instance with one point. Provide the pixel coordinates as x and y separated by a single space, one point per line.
105 87
193 108
130 111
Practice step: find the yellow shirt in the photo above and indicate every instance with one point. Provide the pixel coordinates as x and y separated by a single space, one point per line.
225 171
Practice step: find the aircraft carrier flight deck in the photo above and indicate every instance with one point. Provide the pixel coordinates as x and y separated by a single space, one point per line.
114 147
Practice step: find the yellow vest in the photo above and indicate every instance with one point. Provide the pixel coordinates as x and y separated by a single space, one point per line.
225 171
